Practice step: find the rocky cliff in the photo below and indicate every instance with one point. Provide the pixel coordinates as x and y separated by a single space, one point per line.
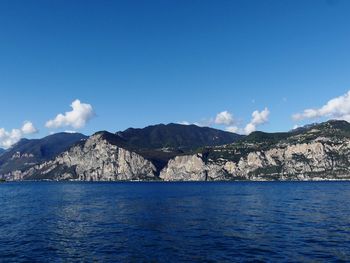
96 159
27 153
319 153
134 154
316 152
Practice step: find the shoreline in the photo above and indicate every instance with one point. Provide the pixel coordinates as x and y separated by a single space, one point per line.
166 182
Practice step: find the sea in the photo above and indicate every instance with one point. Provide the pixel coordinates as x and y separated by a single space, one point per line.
175 222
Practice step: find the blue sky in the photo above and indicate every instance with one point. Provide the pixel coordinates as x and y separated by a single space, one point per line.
146 62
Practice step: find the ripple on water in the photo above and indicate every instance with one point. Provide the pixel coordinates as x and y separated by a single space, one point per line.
203 222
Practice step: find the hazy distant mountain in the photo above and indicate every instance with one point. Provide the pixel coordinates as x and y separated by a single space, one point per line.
2 151
26 152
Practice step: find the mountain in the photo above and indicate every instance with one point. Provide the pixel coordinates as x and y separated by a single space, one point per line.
2 151
27 153
176 136
316 152
154 145
99 158
161 142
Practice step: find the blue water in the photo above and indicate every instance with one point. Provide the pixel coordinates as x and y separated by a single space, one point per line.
173 222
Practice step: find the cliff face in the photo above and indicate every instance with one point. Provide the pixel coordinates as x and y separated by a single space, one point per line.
27 153
93 160
320 159
318 152
128 155
192 168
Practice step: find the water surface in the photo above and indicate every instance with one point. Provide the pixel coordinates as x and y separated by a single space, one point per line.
172 222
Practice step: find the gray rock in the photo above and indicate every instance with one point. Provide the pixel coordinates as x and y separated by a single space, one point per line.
319 152
321 159
93 160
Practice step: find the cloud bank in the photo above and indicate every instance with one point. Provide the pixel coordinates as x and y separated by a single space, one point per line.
77 118
337 108
8 138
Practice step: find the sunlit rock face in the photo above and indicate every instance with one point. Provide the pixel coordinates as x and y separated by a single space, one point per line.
192 168
318 152
317 160
185 168
94 160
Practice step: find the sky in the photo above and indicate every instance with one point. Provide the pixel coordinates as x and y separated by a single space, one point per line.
234 65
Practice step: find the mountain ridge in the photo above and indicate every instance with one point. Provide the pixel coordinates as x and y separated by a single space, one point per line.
314 152
161 142
28 152
174 135
318 152
141 141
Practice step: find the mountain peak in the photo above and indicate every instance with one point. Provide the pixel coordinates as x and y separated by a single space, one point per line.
175 135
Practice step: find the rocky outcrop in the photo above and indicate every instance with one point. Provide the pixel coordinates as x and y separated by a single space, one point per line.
19 155
27 153
317 152
93 160
192 168
185 168
321 159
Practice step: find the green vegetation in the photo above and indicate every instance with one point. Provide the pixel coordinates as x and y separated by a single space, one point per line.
176 136
160 143
262 141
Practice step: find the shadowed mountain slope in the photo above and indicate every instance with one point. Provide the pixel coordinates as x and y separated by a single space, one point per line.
26 152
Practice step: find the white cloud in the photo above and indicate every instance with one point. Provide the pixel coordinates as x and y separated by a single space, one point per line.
199 124
337 108
233 129
8 138
224 118
258 118
184 123
77 118
69 131
202 123
28 128
249 128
